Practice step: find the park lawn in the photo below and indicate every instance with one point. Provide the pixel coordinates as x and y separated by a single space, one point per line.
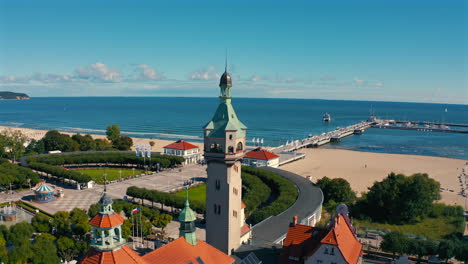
195 193
431 228
112 173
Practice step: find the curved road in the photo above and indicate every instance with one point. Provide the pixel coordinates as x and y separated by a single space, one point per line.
310 198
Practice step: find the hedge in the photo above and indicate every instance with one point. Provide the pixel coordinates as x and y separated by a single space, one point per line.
168 199
17 175
286 191
60 172
49 163
254 192
105 157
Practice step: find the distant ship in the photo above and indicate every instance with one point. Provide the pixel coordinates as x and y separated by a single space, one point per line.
326 117
446 110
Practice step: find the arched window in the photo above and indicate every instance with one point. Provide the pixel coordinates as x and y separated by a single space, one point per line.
230 149
117 231
230 137
239 146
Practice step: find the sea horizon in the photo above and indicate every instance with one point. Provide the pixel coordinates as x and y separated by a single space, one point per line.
276 120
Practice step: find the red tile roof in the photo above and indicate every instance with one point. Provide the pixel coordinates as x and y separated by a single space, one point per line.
124 255
260 154
243 205
347 242
181 144
244 229
302 241
181 252
107 220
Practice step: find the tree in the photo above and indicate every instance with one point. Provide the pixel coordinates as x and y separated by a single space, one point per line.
395 242
66 248
102 144
3 249
21 252
19 231
62 223
113 132
162 221
94 209
53 140
151 143
123 143
421 248
41 223
461 254
44 249
12 141
35 147
338 190
86 142
400 199
447 250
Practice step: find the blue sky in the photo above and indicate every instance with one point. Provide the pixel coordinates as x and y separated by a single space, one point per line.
358 50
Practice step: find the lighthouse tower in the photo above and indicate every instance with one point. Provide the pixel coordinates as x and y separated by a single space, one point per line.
224 150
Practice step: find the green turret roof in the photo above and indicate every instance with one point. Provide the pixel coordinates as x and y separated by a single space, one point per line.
187 214
225 119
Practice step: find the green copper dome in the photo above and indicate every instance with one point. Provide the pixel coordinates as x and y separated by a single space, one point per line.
187 214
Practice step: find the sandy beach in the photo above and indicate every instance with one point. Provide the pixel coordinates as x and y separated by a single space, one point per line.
361 169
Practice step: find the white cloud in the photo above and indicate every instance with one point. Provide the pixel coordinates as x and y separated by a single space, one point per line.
357 80
378 84
98 72
13 79
148 73
205 74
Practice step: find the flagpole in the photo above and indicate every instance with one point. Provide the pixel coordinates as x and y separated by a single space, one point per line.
133 231
136 229
141 231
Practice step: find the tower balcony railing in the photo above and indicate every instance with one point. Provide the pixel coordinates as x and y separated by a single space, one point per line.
225 155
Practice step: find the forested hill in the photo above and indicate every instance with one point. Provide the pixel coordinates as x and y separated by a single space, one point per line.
13 96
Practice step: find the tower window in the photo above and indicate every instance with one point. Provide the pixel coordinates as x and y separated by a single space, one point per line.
230 137
217 185
234 190
230 149
234 213
239 146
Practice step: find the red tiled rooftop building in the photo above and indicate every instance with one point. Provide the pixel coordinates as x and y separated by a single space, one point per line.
260 157
337 243
108 246
182 148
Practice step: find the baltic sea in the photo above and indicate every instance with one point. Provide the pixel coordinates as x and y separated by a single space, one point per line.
275 120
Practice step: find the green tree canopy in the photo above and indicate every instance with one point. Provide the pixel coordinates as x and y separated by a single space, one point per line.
113 132
66 248
395 242
338 190
162 221
400 199
12 143
447 249
45 251
53 140
42 223
86 142
123 143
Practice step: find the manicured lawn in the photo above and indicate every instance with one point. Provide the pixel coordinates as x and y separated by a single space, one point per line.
195 193
112 173
432 228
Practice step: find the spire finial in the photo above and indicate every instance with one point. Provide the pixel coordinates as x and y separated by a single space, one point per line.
225 62
187 204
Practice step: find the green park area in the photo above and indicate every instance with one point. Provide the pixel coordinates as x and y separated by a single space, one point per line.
197 193
112 173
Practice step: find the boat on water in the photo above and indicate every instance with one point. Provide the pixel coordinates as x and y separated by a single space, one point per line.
444 127
326 117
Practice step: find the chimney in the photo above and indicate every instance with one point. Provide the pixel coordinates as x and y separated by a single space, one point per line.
294 222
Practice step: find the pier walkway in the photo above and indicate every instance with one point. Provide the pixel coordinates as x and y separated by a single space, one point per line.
319 140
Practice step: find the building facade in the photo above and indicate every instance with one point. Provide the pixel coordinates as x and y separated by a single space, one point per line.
224 149
335 244
182 148
261 158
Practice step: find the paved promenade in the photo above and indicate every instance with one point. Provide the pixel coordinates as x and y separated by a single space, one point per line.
164 181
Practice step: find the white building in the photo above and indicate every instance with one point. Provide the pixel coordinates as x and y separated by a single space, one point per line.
181 148
261 158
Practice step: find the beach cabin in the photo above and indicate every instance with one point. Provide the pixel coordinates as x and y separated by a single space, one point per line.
44 193
181 148
260 157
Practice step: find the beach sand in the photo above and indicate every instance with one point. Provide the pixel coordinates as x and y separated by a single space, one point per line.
351 165
347 164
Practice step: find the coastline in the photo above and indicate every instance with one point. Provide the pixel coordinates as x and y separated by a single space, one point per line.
360 168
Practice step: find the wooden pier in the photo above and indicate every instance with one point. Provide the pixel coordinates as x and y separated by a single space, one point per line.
319 140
